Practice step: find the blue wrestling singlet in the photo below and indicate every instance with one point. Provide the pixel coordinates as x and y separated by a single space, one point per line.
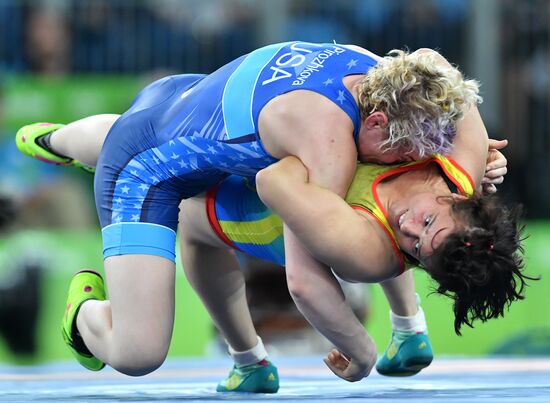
183 134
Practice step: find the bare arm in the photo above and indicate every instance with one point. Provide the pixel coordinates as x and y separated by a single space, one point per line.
331 231
472 145
337 235
471 142
313 129
319 297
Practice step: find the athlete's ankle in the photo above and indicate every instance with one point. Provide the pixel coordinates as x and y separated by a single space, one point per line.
413 324
45 142
249 357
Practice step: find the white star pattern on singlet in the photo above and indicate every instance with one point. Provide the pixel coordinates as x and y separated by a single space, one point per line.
352 63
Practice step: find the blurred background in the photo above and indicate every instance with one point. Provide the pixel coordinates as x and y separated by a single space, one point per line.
61 60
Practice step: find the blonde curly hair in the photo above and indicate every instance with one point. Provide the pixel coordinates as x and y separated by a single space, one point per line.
422 99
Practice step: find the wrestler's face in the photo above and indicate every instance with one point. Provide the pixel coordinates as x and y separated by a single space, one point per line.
372 133
421 223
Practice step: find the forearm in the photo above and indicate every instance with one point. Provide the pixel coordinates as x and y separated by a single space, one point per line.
320 299
324 223
471 141
335 320
472 144
313 213
306 208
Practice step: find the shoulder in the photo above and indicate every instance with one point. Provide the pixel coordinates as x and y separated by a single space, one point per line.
304 109
359 49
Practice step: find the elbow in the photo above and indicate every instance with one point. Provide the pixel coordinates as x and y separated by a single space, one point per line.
300 291
436 55
264 178
429 51
266 184
426 50
295 289
279 180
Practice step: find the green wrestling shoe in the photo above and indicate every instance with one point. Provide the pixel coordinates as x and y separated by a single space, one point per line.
406 355
28 142
255 378
85 285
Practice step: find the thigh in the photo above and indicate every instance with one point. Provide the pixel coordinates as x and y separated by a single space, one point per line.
194 225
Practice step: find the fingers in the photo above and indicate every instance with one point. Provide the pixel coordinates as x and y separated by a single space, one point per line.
497 144
338 360
495 160
495 181
352 373
345 368
492 178
336 368
489 188
496 166
495 174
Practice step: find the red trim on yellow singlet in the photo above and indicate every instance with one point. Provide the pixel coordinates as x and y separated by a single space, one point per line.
391 173
452 178
213 219
417 166
394 245
410 168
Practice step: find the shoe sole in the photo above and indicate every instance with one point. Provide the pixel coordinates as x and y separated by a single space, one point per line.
410 368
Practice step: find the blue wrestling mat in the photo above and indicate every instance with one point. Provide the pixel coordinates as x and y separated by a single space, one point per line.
302 380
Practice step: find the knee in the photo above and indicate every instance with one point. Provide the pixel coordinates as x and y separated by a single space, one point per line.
138 359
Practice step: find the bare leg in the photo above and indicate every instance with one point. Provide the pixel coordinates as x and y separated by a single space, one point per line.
82 140
213 271
401 294
132 331
410 349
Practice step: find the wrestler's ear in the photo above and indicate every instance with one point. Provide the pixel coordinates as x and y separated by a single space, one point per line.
376 119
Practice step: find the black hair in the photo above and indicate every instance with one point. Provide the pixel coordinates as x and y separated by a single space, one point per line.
480 266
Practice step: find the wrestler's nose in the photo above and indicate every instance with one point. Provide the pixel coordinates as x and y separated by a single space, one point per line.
411 228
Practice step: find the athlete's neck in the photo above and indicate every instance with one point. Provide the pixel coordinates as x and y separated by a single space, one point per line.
351 83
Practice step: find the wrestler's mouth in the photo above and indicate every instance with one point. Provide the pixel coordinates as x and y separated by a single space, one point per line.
401 219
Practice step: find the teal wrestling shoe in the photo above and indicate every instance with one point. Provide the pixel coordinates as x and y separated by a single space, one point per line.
29 140
407 354
85 285
255 378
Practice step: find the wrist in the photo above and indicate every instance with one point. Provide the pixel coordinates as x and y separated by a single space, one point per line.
365 350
